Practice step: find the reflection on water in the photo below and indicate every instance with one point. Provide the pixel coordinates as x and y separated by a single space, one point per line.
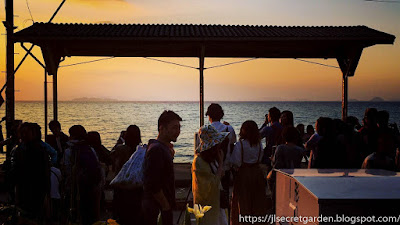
109 118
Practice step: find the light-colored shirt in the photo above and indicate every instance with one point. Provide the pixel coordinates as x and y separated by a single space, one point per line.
250 153
232 139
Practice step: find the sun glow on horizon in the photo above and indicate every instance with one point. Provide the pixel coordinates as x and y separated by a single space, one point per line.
139 79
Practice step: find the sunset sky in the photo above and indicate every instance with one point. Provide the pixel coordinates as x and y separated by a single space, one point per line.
139 79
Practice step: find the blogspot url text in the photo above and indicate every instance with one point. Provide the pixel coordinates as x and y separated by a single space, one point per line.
272 219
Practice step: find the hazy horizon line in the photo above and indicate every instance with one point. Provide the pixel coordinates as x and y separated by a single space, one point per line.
208 101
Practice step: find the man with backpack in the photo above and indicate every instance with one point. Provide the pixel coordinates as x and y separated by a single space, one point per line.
83 177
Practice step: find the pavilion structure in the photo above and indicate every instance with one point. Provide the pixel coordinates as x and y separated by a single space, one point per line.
57 41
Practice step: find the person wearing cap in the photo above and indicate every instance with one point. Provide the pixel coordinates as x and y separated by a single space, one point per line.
207 170
158 171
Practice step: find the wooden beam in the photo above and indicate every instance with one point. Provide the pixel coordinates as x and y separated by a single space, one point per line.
348 61
52 58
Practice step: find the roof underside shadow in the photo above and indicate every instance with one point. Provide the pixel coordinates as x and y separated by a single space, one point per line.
135 40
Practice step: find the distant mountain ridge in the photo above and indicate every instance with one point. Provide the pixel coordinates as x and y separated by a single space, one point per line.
377 99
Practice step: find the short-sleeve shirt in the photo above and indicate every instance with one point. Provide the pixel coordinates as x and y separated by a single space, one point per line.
251 154
287 157
158 171
232 139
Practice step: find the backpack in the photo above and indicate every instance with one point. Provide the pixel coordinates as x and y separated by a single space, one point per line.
87 165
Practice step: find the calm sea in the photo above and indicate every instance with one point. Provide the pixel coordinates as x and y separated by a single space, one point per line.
110 118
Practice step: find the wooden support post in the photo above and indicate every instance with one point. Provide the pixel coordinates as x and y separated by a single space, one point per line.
52 58
10 91
45 103
55 98
348 61
201 68
345 95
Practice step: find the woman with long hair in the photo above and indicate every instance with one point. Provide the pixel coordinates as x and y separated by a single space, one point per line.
207 170
127 202
249 196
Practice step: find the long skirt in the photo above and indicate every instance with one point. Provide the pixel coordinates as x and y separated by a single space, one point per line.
249 194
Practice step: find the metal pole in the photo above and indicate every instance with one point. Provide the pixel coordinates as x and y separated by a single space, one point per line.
201 68
45 103
10 92
55 100
55 13
344 96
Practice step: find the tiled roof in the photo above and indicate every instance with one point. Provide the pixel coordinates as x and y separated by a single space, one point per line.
50 30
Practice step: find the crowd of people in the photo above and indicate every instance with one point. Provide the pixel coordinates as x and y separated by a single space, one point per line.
333 144
62 179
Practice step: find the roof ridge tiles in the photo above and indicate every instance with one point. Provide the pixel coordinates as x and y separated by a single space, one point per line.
206 25
109 30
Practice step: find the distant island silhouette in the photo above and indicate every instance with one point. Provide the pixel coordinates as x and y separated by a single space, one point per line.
94 100
377 99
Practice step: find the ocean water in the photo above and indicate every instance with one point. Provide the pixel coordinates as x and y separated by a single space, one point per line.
110 118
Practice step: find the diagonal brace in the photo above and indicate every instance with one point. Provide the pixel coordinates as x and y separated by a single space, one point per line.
23 59
33 56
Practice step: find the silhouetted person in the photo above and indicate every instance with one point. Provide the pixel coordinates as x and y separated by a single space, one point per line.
215 114
382 158
323 127
300 128
58 140
286 120
121 139
102 152
248 196
103 155
83 176
30 170
309 132
127 202
288 155
383 119
272 135
352 144
369 132
353 122
158 176
385 127
329 152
